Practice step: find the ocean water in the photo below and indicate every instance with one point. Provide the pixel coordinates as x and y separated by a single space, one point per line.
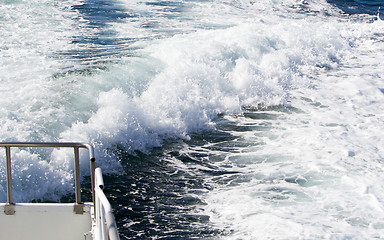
211 119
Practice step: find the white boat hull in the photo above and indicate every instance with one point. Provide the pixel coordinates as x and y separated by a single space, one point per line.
46 221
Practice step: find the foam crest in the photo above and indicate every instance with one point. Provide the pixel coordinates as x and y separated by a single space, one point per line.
202 74
206 73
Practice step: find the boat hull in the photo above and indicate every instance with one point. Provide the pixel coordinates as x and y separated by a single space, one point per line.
43 221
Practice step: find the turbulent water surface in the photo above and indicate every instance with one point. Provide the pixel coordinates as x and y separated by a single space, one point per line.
211 119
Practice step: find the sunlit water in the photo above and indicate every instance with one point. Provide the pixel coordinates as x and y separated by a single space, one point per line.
210 119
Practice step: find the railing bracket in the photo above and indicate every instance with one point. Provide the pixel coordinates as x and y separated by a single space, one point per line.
9 209
78 208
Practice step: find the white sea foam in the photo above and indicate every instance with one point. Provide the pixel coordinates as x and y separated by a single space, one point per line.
200 75
319 173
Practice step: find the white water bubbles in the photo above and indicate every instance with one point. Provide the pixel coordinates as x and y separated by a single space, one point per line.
31 32
317 172
295 179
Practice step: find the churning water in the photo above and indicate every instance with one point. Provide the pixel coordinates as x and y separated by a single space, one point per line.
213 119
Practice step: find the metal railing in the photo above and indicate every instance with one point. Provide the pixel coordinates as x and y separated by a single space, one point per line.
105 220
10 206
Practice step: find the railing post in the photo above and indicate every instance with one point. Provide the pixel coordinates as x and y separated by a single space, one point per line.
93 166
9 208
78 205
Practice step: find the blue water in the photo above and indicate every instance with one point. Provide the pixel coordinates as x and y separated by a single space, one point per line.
211 119
359 7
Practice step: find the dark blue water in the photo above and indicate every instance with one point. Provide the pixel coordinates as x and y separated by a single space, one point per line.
156 199
360 6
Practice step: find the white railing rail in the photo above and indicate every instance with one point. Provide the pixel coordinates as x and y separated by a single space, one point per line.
105 220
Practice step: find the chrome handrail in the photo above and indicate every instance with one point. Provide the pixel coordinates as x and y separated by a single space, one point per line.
10 206
105 220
